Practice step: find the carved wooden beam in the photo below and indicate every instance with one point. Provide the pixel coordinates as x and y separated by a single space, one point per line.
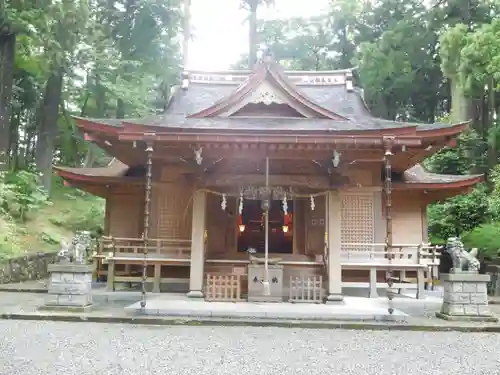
304 181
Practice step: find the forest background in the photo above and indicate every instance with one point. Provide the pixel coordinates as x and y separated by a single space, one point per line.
417 61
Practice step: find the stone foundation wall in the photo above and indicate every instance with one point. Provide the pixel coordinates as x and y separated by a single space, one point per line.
29 267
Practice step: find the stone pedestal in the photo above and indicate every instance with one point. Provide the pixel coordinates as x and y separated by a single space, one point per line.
465 297
69 287
256 274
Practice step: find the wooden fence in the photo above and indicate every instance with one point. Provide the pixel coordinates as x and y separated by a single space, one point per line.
307 289
223 288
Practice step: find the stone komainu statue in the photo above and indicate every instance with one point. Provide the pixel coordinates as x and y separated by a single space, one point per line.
454 258
75 252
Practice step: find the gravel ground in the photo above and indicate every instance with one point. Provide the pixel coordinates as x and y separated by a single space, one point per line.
43 348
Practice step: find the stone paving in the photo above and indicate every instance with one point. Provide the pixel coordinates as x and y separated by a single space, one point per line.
51 348
420 313
352 309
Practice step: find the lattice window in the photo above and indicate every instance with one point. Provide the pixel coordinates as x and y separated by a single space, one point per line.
172 201
357 226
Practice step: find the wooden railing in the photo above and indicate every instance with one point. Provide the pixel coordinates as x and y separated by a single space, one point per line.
396 254
306 289
223 288
168 248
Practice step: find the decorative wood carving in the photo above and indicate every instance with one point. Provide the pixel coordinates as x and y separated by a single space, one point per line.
305 181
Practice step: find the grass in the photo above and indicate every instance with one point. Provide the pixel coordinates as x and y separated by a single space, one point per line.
67 211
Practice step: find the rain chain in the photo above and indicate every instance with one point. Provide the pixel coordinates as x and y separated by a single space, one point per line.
147 209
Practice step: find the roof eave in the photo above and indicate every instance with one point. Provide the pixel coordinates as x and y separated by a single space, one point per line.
95 126
73 176
445 131
469 182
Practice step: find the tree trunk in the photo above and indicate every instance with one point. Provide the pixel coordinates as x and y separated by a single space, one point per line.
7 55
47 127
14 141
492 144
461 107
252 34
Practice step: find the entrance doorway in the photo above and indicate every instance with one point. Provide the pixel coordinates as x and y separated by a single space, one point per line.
252 231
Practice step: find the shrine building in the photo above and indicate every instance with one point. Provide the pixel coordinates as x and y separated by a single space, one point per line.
265 177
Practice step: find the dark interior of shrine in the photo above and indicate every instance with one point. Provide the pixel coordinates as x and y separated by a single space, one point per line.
252 228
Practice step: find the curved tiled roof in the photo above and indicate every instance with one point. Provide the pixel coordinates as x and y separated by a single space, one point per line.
415 175
330 96
418 175
115 168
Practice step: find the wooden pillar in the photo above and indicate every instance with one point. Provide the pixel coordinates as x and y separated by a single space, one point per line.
334 217
197 245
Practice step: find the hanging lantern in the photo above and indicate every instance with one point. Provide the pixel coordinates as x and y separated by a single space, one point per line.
286 221
313 205
223 204
241 226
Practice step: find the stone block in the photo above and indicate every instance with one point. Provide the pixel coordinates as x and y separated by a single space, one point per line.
455 287
68 300
64 288
66 278
70 268
483 310
478 299
447 288
451 309
481 288
84 278
256 273
464 277
470 310
457 298
55 277
469 287
74 300
51 299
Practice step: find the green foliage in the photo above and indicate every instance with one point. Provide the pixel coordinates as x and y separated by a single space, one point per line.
485 237
20 194
459 214
86 213
468 156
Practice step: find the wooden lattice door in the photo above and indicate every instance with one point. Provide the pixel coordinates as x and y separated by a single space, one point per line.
357 225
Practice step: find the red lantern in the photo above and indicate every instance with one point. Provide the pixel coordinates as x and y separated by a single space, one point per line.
241 226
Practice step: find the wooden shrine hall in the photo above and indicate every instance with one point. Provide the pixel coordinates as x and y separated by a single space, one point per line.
266 185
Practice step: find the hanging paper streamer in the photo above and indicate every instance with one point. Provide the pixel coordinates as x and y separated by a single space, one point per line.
223 204
313 205
240 206
285 205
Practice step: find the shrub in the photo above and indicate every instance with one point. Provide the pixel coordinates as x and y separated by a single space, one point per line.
485 237
459 214
20 194
85 214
